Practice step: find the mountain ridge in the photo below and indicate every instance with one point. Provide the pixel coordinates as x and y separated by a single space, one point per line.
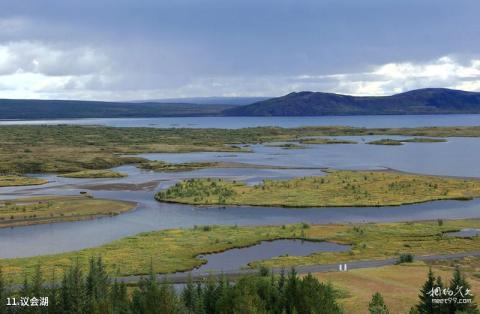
419 101
304 103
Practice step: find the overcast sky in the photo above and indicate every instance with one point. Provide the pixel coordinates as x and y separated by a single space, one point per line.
139 49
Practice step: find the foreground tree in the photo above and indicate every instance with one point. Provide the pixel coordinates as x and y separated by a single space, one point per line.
436 298
377 305
426 306
462 290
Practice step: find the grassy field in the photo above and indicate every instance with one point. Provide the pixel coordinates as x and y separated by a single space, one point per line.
176 249
19 181
63 149
337 188
399 285
48 209
94 174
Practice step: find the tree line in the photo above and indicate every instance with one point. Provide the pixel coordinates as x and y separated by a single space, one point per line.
93 291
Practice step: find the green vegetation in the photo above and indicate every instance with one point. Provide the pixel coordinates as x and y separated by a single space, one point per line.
64 149
157 165
171 167
95 293
94 174
337 188
287 146
19 181
405 258
377 305
388 141
458 285
177 249
48 209
325 141
424 140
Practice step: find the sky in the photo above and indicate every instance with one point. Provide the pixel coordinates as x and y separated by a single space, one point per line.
153 49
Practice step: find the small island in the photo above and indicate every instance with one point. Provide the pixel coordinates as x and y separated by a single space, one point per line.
49 209
162 166
286 145
94 174
337 188
389 141
13 180
322 141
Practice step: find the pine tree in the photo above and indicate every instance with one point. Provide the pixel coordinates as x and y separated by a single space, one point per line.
377 305
97 286
462 290
440 308
52 294
119 298
188 294
37 289
73 291
426 306
3 294
291 292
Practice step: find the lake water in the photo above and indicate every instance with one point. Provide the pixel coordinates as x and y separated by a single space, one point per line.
236 259
287 122
465 233
456 157
151 215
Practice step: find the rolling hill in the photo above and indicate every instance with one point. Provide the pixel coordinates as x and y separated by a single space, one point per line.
65 109
420 101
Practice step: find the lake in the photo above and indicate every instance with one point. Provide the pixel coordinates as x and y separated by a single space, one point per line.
383 121
456 157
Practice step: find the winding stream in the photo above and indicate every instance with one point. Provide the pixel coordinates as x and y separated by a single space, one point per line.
459 157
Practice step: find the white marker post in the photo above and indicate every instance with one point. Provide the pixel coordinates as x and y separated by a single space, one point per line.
340 267
345 267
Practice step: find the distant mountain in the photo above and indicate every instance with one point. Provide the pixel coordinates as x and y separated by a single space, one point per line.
421 101
64 109
235 101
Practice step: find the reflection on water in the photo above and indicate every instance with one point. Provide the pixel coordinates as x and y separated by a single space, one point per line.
236 259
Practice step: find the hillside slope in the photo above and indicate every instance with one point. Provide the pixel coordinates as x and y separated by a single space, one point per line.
421 101
63 109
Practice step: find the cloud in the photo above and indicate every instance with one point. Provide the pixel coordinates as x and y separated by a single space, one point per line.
394 77
32 69
37 57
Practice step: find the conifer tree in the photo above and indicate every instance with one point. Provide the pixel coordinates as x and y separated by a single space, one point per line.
3 294
462 290
426 306
440 308
73 291
119 298
377 305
